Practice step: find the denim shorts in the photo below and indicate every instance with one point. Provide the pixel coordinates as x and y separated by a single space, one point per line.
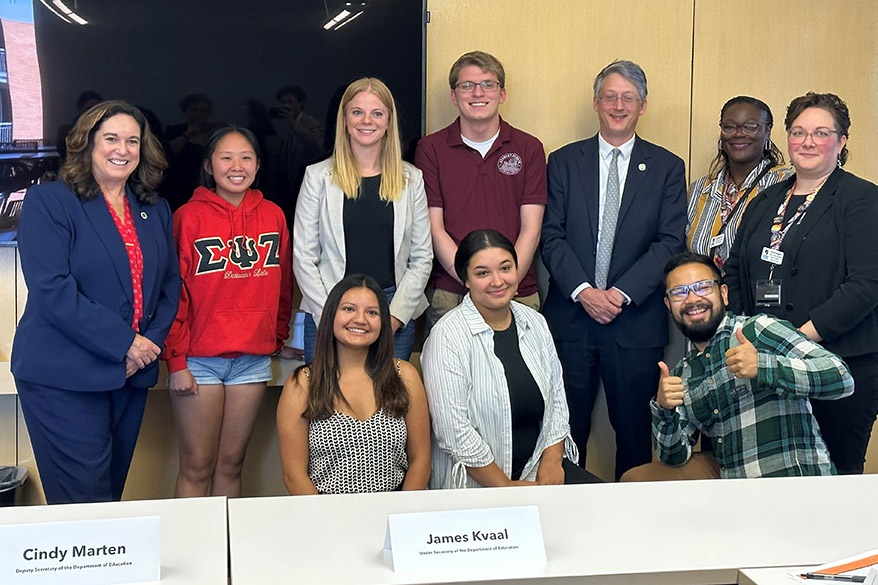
245 369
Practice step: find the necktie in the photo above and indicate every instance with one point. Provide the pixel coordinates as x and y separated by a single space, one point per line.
608 224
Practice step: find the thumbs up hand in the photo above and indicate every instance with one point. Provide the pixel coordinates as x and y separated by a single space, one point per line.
670 390
742 360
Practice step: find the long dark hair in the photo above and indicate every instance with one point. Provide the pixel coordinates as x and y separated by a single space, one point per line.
76 171
323 390
772 153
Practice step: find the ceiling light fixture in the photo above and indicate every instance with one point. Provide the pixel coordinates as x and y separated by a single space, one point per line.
63 12
348 12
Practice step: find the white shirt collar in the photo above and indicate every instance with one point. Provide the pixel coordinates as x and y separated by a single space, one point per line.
605 148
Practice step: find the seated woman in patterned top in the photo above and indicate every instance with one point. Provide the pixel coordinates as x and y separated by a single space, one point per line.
356 419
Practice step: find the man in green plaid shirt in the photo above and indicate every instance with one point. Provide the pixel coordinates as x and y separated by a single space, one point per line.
745 383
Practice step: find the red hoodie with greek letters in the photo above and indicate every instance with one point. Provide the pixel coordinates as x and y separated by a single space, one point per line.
237 278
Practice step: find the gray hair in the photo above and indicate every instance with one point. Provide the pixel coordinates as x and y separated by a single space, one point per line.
627 69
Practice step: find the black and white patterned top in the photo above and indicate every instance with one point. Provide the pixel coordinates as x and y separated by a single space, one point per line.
347 455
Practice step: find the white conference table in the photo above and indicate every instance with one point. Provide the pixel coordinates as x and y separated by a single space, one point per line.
194 534
674 532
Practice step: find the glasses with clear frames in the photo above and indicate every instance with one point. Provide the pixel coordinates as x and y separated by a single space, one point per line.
702 288
820 136
610 99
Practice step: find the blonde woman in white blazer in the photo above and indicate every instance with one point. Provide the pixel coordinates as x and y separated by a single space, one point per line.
344 213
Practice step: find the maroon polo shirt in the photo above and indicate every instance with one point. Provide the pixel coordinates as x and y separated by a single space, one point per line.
477 193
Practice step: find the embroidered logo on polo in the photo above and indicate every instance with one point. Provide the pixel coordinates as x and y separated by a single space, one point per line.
509 163
242 251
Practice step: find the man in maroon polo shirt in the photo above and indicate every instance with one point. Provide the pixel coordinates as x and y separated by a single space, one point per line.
480 172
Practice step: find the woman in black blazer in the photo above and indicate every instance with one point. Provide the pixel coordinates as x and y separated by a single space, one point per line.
806 252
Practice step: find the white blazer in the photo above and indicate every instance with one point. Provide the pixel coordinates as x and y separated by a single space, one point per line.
319 248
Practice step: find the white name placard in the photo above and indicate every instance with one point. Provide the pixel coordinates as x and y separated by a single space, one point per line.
89 552
508 538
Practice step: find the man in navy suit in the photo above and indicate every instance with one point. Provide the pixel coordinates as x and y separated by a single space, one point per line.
616 213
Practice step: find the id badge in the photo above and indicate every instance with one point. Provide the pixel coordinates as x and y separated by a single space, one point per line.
772 256
768 293
717 241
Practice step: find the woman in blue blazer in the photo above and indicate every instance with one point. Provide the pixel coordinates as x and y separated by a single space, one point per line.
98 257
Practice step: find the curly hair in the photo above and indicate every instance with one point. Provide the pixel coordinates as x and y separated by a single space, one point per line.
76 172
825 101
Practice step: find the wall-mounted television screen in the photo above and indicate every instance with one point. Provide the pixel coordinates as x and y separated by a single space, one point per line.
274 66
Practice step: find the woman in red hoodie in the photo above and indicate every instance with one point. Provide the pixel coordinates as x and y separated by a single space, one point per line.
234 314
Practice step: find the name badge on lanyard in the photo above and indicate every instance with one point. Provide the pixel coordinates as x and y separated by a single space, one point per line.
717 241
772 256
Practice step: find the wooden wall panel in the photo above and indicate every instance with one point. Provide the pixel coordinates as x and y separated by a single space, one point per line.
775 51
551 52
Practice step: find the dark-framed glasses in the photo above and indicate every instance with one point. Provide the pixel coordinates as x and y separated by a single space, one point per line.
486 85
820 136
609 99
748 128
702 288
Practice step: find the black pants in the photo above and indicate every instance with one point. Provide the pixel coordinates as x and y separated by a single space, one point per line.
574 474
630 377
846 424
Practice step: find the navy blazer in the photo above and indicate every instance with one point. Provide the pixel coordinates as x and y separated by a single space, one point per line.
76 327
830 267
650 229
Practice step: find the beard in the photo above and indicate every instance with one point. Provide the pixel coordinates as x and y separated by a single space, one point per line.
700 332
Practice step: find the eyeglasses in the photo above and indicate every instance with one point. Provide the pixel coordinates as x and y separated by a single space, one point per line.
748 128
820 136
610 99
702 288
486 85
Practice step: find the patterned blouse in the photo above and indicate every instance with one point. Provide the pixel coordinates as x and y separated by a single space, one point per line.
347 455
128 233
708 206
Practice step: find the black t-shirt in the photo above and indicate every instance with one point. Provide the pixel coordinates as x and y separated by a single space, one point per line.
525 398
368 234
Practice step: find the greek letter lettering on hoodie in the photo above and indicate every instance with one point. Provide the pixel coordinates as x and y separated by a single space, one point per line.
237 278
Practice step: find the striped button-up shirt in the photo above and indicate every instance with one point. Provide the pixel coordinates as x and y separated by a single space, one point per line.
469 398
760 427
704 215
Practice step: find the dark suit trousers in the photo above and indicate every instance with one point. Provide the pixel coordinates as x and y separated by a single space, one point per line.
630 379
83 441
846 424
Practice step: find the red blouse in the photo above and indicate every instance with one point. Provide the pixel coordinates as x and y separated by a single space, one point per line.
135 257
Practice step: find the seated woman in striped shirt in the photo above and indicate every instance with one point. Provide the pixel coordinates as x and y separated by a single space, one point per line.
494 383
354 420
